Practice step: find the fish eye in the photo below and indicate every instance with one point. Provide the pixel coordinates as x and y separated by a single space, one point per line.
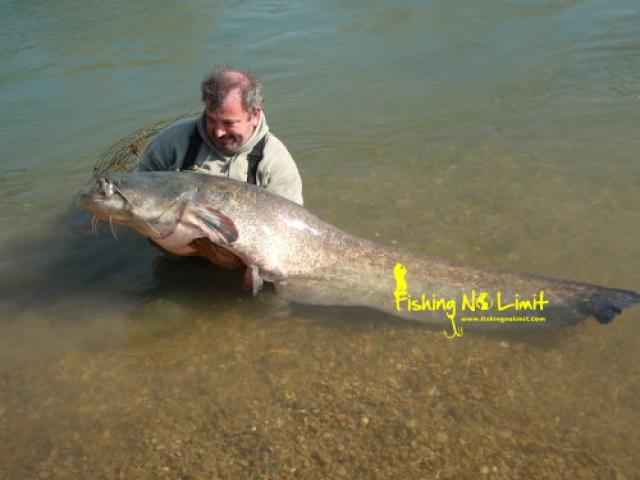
106 187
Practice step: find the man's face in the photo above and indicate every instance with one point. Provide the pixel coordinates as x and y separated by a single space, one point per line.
230 126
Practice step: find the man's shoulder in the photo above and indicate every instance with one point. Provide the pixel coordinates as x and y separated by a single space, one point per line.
278 172
177 130
274 148
277 161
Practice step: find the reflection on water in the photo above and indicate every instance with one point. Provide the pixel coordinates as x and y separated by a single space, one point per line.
497 133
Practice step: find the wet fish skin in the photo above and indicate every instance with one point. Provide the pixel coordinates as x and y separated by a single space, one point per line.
311 261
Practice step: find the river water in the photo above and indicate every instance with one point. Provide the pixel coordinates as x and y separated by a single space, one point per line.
501 133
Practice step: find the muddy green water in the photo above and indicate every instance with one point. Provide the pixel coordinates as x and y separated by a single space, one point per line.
500 133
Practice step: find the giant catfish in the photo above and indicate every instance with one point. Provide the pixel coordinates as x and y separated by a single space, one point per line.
311 261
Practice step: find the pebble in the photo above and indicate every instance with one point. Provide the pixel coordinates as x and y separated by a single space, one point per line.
324 457
364 421
476 393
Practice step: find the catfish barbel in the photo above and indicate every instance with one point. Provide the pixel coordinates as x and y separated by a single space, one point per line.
311 261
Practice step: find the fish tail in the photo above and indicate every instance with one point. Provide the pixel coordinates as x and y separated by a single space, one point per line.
605 303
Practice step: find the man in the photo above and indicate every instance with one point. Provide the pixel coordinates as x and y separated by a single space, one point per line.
231 138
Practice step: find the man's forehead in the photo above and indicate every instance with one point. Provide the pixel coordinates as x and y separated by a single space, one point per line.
231 105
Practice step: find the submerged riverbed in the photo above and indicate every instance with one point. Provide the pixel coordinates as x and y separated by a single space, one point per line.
500 133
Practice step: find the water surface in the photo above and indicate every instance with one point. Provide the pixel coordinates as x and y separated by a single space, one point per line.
500 133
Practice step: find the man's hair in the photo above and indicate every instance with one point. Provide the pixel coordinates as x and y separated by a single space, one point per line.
220 82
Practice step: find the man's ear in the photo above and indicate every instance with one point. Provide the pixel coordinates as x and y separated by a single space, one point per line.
255 116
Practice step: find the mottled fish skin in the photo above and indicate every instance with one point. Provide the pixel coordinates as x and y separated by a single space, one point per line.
311 261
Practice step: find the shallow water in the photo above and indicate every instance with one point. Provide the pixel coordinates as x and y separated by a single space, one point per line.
499 133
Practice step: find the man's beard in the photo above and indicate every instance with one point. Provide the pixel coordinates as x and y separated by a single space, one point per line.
231 148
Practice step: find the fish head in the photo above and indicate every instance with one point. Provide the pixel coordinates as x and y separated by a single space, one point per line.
150 203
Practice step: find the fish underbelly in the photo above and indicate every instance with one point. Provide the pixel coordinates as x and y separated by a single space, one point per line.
179 240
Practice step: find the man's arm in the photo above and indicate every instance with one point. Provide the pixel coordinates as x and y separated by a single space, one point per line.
148 162
168 148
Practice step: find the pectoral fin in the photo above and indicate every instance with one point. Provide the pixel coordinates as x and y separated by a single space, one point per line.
252 281
216 225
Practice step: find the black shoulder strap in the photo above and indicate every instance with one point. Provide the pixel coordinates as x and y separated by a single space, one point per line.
254 157
195 142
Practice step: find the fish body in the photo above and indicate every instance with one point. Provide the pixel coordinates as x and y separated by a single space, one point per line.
311 261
